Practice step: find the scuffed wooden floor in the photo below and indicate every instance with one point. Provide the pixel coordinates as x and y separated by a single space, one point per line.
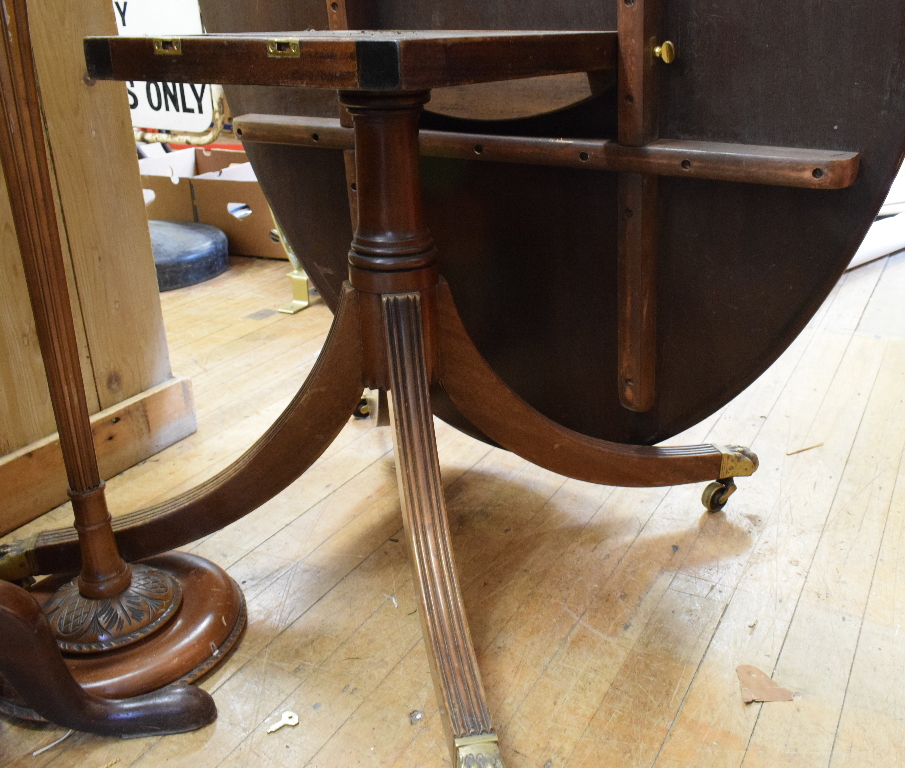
608 621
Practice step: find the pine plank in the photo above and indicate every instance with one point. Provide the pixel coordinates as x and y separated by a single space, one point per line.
870 727
106 230
714 726
33 479
820 645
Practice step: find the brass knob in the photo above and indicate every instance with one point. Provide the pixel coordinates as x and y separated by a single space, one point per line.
666 52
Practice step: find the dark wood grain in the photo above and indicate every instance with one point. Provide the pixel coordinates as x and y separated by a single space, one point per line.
741 267
774 166
639 225
639 220
639 26
340 59
221 17
508 420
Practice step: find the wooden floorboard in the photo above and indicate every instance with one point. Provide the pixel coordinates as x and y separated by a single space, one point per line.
608 622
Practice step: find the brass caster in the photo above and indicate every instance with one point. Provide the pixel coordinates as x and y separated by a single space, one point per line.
738 461
717 494
363 409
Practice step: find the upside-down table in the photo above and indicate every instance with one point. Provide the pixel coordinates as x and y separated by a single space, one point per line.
396 325
603 219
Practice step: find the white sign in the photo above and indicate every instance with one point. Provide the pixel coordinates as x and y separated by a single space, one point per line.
166 106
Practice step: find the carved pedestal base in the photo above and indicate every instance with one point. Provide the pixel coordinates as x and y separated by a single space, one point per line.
85 625
199 636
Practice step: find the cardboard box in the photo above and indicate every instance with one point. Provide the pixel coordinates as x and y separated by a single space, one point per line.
216 187
168 177
231 199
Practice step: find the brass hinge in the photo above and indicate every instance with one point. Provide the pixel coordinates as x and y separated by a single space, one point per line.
284 48
167 46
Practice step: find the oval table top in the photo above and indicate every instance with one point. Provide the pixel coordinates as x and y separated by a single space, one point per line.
530 251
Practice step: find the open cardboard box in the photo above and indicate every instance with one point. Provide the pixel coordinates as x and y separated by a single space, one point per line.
231 199
216 187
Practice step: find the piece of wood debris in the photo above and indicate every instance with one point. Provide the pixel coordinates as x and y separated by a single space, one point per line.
802 450
757 686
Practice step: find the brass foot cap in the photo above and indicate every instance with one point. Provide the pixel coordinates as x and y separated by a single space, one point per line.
84 625
738 461
480 751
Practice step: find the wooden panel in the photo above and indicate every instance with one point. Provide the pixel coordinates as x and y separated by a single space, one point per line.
111 277
25 413
33 479
337 59
90 135
528 14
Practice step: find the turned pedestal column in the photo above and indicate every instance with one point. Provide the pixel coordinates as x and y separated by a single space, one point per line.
393 267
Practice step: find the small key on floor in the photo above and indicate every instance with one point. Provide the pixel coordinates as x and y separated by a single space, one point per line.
288 718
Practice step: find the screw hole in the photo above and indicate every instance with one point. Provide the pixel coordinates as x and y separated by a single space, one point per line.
238 131
629 2
686 164
629 213
115 420
583 156
334 6
315 137
354 187
817 173
629 98
478 149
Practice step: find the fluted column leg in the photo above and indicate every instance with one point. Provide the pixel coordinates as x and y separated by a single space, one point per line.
457 679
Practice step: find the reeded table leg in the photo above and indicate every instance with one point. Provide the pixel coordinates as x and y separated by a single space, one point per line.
453 663
393 266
